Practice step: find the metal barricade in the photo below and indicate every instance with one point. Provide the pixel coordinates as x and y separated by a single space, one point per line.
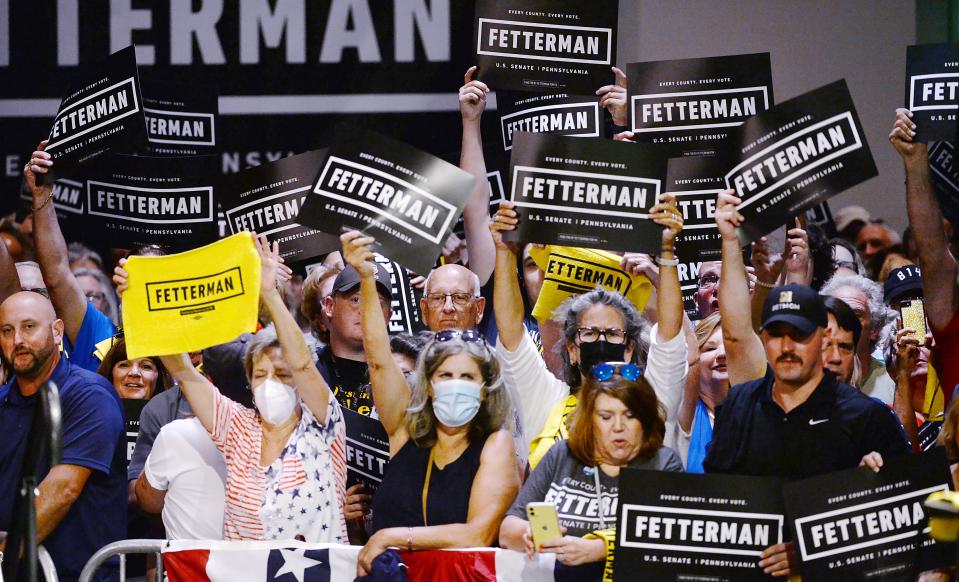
121 549
46 565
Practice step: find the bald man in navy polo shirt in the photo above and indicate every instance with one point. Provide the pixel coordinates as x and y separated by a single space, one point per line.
82 502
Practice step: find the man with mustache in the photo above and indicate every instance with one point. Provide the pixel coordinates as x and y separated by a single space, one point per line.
798 420
82 501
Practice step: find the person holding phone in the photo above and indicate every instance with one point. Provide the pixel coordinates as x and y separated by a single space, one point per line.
618 423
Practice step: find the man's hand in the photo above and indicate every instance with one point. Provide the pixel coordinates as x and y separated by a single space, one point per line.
640 264
767 265
272 270
872 460
667 215
357 253
504 219
798 266
728 219
121 277
472 97
613 98
779 560
625 136
40 163
901 136
454 249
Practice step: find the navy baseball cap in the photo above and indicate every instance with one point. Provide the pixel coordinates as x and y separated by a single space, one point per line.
798 305
903 283
349 279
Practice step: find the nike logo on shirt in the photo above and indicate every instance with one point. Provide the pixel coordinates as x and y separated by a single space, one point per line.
815 422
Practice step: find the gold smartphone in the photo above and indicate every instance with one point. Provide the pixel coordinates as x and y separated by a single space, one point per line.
543 522
914 316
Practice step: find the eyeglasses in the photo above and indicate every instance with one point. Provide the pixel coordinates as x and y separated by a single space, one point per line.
437 300
40 291
605 371
708 282
469 335
613 335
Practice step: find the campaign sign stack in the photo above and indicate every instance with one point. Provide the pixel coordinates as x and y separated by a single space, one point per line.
678 526
546 45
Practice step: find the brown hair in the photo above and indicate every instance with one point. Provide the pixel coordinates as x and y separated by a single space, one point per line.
118 353
947 436
639 397
706 327
311 305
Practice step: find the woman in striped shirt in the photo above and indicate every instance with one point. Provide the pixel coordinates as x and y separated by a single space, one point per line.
286 462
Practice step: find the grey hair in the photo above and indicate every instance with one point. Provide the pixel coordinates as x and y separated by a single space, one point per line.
474 278
570 311
261 342
77 251
878 312
106 287
495 411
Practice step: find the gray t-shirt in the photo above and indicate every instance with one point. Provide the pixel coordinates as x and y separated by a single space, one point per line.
570 485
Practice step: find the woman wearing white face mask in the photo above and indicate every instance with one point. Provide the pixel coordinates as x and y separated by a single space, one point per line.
452 472
286 463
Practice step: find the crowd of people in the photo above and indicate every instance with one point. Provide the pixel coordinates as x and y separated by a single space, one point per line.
796 363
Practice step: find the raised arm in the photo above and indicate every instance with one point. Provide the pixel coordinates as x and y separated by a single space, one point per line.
669 297
68 298
907 357
391 393
938 265
476 213
745 356
9 281
507 296
309 383
767 266
797 263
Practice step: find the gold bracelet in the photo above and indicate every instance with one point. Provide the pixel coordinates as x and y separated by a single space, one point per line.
764 284
49 196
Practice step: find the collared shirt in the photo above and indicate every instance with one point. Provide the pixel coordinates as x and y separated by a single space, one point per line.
832 430
95 328
93 437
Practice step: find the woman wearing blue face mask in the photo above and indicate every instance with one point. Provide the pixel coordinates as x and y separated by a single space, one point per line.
453 471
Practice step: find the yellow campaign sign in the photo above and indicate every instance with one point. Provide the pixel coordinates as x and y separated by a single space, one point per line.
191 300
571 271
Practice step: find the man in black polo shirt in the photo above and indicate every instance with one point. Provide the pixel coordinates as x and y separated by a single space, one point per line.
798 420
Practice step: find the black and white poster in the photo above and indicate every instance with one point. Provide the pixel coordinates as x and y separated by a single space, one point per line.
546 45
367 450
180 117
680 526
696 182
266 199
101 111
945 177
932 90
690 104
405 313
131 420
796 155
688 285
860 525
405 198
141 200
69 202
556 113
582 192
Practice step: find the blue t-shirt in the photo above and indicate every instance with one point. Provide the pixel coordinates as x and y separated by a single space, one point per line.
93 437
95 328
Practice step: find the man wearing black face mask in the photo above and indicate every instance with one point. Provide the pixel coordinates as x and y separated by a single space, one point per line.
600 326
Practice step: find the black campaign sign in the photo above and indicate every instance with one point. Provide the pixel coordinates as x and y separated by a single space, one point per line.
691 104
102 111
405 307
560 114
932 90
266 199
406 198
367 450
861 525
679 526
695 181
796 155
546 45
131 420
586 192
181 118
69 202
139 200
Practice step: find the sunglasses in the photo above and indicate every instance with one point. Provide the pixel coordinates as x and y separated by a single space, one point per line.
605 371
469 335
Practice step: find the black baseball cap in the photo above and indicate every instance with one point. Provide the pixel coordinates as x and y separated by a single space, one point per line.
903 283
798 305
349 279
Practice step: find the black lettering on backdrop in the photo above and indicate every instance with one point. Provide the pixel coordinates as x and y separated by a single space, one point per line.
586 192
796 155
689 105
543 45
932 90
